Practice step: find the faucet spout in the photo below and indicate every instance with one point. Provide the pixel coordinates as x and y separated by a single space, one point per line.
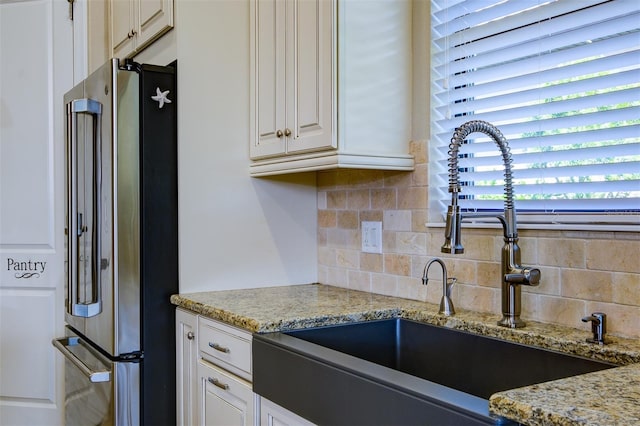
446 305
513 274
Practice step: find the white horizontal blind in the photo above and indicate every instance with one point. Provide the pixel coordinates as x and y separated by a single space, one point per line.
561 80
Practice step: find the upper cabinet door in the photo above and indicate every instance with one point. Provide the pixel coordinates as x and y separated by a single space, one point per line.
268 86
137 23
311 64
155 17
292 76
122 26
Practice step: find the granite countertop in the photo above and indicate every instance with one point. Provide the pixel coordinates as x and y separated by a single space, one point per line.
602 398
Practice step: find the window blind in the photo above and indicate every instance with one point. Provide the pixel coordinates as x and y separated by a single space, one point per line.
561 80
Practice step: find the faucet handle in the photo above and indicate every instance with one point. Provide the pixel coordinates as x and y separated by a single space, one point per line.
526 276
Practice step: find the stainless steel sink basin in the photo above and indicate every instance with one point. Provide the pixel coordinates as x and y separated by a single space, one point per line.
399 372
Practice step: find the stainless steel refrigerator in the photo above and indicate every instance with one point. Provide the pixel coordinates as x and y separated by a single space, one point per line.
121 245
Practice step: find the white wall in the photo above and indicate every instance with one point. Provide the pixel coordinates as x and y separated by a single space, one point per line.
235 231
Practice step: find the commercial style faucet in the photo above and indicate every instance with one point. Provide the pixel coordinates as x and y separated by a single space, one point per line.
446 305
513 274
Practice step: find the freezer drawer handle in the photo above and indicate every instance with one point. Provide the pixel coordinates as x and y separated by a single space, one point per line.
93 375
77 224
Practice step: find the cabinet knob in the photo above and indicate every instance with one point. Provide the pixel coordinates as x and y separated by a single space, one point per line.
131 33
279 133
191 335
287 132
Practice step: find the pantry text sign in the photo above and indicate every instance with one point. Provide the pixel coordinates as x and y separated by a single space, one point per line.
26 269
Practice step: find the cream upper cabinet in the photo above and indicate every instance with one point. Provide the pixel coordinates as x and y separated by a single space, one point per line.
137 23
330 85
291 49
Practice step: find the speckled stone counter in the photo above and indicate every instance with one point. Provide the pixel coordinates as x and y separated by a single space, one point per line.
604 398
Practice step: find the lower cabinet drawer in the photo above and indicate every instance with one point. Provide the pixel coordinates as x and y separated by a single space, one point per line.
225 346
223 399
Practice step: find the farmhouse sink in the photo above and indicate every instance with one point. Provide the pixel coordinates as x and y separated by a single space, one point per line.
399 371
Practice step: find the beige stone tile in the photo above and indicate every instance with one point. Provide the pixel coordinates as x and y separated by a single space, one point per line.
481 247
359 280
550 282
434 291
322 237
347 219
417 265
410 288
626 288
384 284
419 151
371 215
480 299
528 250
326 179
435 242
336 199
327 218
397 179
396 220
353 239
464 270
419 221
489 274
388 241
412 198
336 237
587 285
359 199
337 277
349 259
561 310
622 320
613 255
327 256
420 176
530 304
384 198
397 264
411 243
363 178
371 262
561 252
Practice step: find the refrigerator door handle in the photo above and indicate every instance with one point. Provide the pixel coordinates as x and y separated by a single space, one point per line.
93 306
95 376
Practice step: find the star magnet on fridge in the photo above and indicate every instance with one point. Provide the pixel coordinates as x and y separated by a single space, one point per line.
161 97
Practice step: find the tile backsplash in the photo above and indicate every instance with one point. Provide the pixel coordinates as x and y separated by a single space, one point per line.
582 271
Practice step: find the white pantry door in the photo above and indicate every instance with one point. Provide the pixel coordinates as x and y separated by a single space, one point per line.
36 68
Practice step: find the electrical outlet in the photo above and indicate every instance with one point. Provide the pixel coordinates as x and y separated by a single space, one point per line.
372 237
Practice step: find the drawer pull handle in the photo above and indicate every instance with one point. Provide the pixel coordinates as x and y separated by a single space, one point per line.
219 348
218 383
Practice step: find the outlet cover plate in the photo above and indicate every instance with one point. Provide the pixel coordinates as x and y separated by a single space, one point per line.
372 237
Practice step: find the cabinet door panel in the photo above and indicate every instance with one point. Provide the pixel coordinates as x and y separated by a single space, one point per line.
155 17
122 25
186 361
311 65
268 77
222 398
